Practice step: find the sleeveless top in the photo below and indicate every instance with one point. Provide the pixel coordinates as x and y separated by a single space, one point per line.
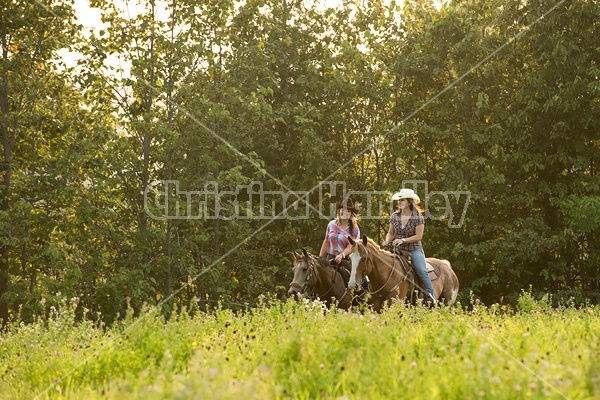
407 230
337 238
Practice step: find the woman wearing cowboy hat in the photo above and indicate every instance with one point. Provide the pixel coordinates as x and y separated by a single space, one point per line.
335 245
406 231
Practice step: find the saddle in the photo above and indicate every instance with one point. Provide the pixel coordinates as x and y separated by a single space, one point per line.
432 270
343 268
343 271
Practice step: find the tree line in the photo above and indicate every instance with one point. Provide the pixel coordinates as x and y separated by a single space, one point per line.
490 108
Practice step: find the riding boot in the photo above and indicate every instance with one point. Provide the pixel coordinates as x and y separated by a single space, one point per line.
420 268
429 300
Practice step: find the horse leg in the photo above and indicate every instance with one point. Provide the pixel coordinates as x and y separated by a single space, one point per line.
377 304
419 292
448 285
438 289
450 291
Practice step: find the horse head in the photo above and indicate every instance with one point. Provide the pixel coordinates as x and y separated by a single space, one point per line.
359 259
304 273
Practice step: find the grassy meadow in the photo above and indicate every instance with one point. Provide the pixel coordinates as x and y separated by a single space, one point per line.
294 350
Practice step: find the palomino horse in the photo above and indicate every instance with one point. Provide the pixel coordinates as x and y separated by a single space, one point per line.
315 277
392 276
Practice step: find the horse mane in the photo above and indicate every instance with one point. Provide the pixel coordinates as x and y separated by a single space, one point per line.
323 262
371 243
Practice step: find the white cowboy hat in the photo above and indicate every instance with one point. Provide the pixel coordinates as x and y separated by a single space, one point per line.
406 193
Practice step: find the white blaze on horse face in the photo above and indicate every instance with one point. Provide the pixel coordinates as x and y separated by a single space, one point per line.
354 259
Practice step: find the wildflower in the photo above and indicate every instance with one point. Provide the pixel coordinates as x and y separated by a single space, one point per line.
264 368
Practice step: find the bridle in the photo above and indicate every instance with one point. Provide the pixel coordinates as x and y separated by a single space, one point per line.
309 276
372 265
311 272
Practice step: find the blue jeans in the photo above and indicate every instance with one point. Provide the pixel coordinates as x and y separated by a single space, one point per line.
418 260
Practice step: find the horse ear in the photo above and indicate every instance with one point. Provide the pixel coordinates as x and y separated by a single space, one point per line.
352 242
365 239
304 252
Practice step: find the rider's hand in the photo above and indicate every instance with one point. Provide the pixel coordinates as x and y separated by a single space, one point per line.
398 242
385 243
338 258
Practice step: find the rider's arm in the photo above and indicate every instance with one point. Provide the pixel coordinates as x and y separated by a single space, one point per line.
323 251
417 236
390 236
344 253
325 245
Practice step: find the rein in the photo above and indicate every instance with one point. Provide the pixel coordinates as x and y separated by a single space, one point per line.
311 271
405 277
335 273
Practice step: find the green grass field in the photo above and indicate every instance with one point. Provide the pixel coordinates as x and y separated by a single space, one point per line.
300 351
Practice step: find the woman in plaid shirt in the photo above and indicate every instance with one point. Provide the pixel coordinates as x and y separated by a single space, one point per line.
336 245
405 233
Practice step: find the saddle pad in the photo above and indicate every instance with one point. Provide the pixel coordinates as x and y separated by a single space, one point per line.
433 271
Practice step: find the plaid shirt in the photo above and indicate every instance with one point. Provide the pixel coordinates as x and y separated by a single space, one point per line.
407 230
337 238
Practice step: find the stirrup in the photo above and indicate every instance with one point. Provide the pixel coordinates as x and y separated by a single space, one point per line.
430 300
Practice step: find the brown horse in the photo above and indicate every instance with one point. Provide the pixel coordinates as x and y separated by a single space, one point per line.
316 278
391 276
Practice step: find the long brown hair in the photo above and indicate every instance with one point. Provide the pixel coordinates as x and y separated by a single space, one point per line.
414 206
352 221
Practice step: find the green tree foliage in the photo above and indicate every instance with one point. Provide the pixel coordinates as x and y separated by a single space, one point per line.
517 133
41 141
